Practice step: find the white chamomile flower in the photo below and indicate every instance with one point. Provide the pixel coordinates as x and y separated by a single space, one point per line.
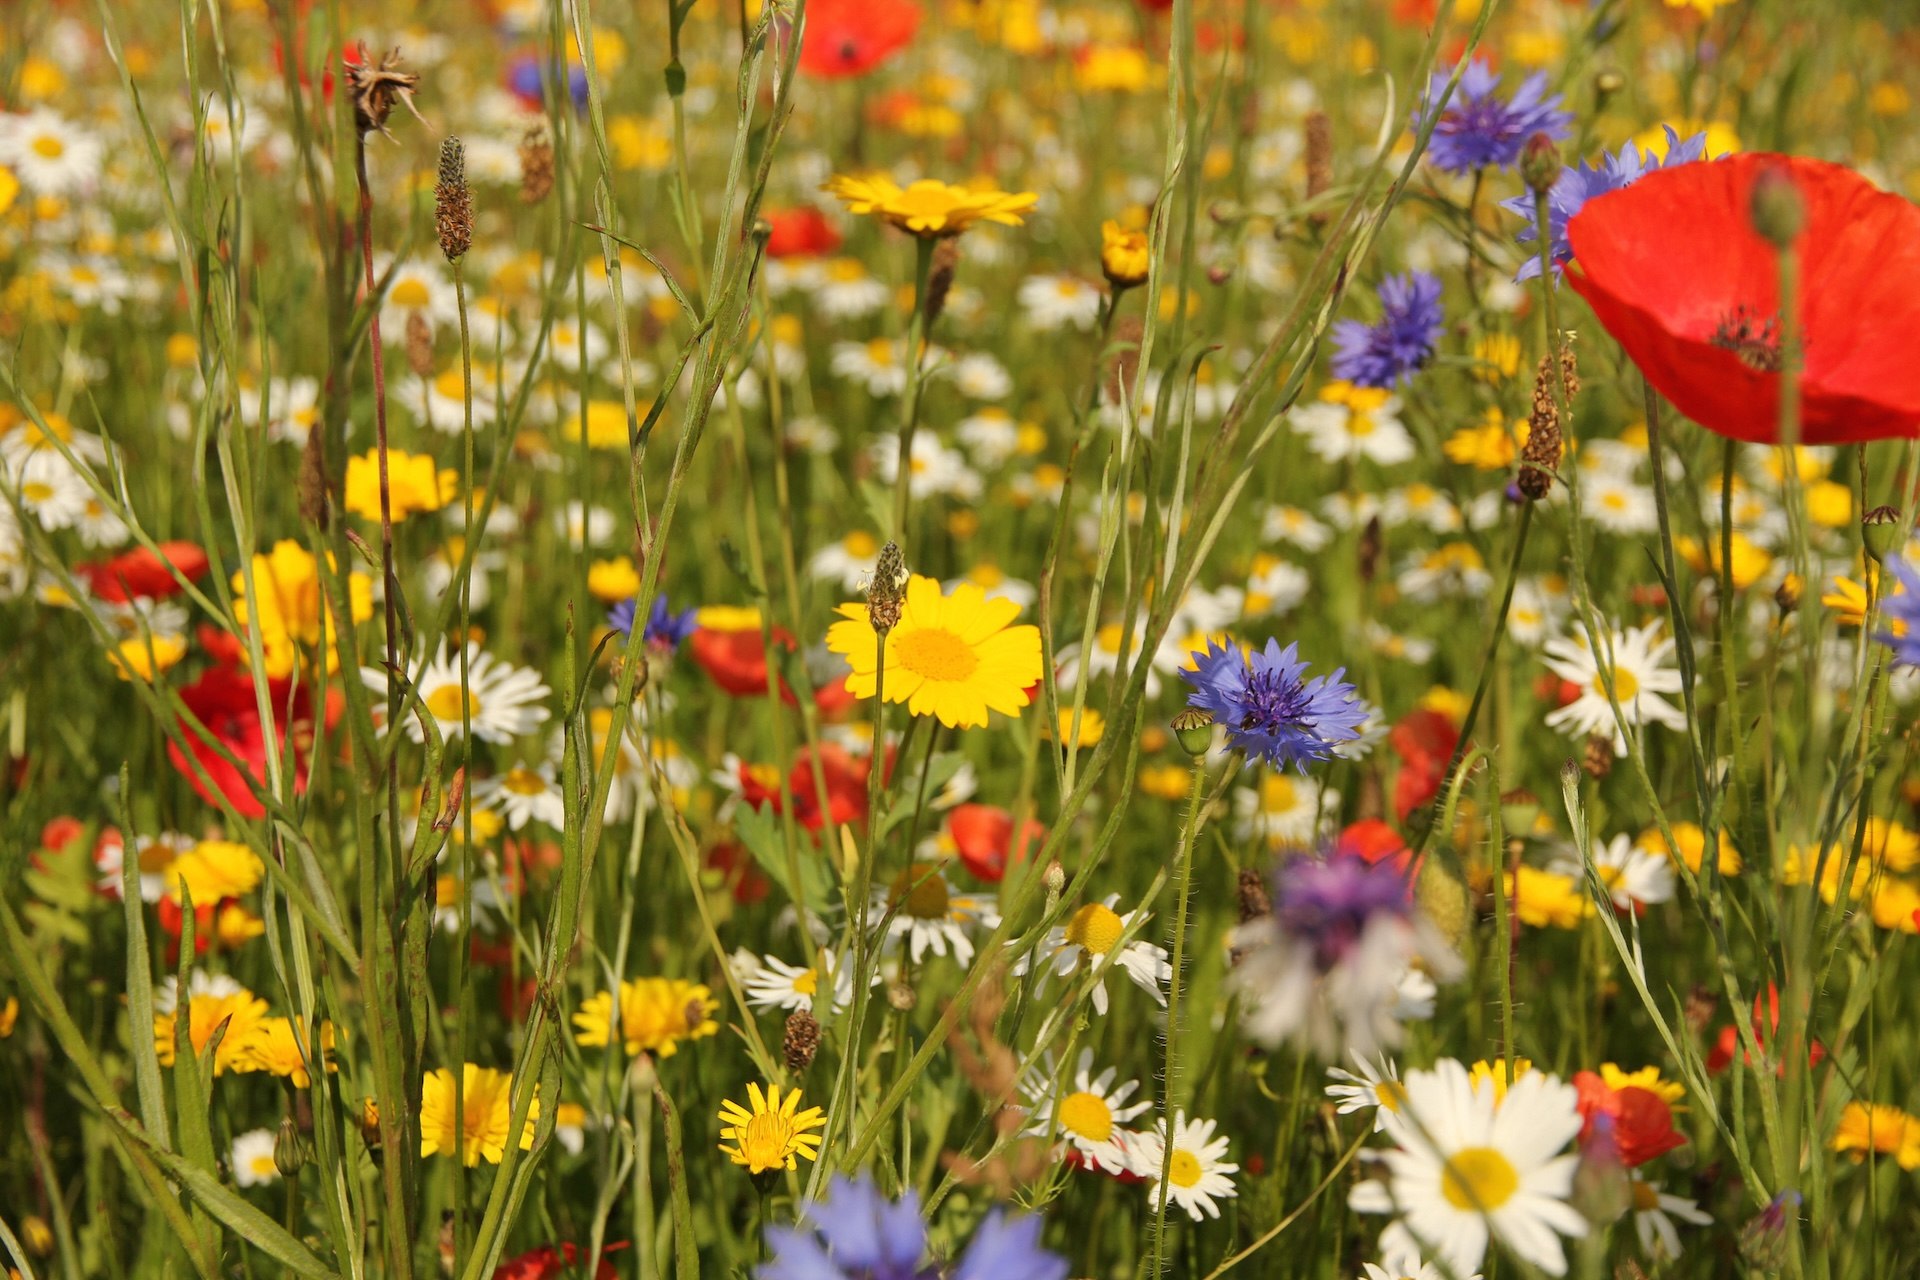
1410 1269
1197 1174
51 155
252 1159
1058 301
417 288
501 700
1274 586
1640 678
1421 503
1452 569
879 364
978 376
1539 608
843 290
1619 504
849 561
1087 1119
1284 809
523 794
1291 524
1341 431
1654 1212
930 916
775 984
991 436
1375 1086
933 468
1093 933
1634 877
1469 1168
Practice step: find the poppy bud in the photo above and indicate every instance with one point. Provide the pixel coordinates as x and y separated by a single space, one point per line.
1879 527
1779 213
1193 727
1540 164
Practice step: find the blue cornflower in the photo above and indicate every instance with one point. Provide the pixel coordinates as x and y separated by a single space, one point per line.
1577 185
1479 129
1379 355
1329 902
1269 710
1902 610
857 1234
665 628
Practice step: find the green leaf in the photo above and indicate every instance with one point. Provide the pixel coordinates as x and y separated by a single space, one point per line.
759 830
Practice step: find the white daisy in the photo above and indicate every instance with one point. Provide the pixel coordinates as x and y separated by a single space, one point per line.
155 854
1640 678
1339 432
843 290
1375 1086
775 984
1410 1269
1468 1168
991 436
933 467
1653 1214
502 701
417 287
978 376
1057 301
1291 524
931 916
53 492
252 1159
1451 570
998 586
879 364
1539 608
1089 936
523 794
1284 809
1087 1120
50 154
1274 586
1198 1173
849 561
1619 504
1633 876
1422 503
573 348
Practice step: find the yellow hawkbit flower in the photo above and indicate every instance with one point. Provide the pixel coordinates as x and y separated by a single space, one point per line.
928 207
1125 256
414 483
1875 1128
479 1128
656 1014
769 1133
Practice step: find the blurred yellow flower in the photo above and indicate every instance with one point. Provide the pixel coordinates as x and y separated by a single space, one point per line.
277 1050
479 1127
1874 1128
289 612
612 581
1497 1073
1491 446
1721 139
143 657
1117 67
656 1014
238 1009
1692 842
414 483
1750 560
212 870
1542 898
929 207
1125 256
1648 1078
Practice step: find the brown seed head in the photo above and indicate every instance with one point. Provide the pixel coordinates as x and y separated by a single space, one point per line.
802 1040
1597 759
453 201
946 259
536 165
419 343
1319 157
376 88
311 488
1541 456
887 589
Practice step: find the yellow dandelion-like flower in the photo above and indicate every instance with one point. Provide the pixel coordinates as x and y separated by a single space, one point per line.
1125 256
1692 842
414 483
1543 898
240 1010
951 657
278 1050
479 1128
771 1132
929 207
143 657
291 611
1648 1078
656 1014
1491 446
212 870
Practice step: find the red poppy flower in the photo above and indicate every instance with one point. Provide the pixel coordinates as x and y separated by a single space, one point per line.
1642 1121
140 574
1424 739
983 833
549 1261
839 772
800 233
224 701
1728 1045
1675 271
735 866
834 699
852 37
737 660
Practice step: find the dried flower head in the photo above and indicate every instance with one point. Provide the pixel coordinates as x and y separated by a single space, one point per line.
376 88
419 343
1541 456
802 1041
453 201
536 165
887 588
1319 157
946 258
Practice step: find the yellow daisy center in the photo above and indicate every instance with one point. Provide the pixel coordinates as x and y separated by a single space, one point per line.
1086 1115
808 983
522 782
860 543
49 146
935 653
444 703
1478 1180
409 293
1361 426
1625 686
1645 1198
1185 1169
1389 1094
1094 928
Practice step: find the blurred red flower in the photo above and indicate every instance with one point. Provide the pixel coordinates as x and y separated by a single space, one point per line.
983 833
803 232
1673 268
1642 1119
549 1261
223 699
1728 1044
1424 739
737 660
852 37
141 574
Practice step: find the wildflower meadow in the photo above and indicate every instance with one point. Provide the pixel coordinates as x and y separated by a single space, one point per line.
959 639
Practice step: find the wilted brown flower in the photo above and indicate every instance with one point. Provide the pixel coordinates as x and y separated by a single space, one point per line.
536 165
376 88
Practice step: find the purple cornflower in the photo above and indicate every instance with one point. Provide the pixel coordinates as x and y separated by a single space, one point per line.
1577 185
1327 903
1269 710
857 1234
1902 610
1481 130
1380 355
665 628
